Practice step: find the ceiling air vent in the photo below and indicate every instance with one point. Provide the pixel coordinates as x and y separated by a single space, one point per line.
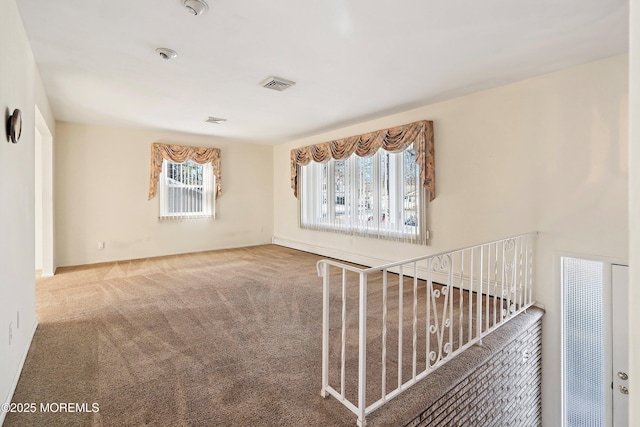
276 83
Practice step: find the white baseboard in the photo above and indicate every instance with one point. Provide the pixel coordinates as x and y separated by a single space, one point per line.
51 274
341 255
16 377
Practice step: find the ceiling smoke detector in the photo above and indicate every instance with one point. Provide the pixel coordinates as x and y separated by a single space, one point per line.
215 120
277 83
166 53
196 7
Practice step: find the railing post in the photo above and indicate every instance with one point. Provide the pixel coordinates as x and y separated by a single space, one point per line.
325 327
384 334
479 304
400 321
343 344
532 258
362 352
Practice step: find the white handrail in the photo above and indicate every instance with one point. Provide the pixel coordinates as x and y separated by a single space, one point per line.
455 298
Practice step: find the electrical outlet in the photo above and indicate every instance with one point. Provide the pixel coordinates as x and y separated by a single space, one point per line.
100 244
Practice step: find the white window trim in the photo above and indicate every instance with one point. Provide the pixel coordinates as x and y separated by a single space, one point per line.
354 226
208 203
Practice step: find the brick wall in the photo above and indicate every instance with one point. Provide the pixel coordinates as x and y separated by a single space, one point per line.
502 391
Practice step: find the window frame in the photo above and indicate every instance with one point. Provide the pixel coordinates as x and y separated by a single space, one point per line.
326 214
207 188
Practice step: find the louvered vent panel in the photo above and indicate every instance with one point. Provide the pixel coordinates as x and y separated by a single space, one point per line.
277 83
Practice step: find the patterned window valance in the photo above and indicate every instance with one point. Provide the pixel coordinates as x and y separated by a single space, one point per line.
180 154
395 139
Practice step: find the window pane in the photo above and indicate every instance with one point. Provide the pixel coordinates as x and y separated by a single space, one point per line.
324 172
365 189
377 195
340 190
410 189
584 342
384 189
186 189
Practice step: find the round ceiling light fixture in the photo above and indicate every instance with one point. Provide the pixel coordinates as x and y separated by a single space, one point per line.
196 7
166 53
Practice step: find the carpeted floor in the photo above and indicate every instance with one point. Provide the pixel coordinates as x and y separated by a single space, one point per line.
223 338
220 338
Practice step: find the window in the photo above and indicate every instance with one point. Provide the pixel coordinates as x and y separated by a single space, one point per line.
378 196
186 190
583 352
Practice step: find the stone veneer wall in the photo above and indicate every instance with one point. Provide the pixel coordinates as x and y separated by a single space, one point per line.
505 390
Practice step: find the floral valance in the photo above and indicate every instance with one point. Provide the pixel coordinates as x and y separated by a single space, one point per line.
180 154
395 140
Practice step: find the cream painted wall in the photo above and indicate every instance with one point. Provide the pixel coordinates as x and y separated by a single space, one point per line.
547 154
102 182
634 212
20 87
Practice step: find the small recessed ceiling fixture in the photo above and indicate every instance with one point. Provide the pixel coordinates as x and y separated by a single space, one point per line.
196 7
277 83
166 53
216 120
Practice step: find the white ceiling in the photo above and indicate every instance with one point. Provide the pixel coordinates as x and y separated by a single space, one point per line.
352 60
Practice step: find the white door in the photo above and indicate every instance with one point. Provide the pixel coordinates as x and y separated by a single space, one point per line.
595 343
620 344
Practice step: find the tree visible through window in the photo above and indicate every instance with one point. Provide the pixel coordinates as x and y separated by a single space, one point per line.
186 190
378 195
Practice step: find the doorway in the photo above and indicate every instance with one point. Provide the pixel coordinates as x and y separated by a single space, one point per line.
594 343
44 228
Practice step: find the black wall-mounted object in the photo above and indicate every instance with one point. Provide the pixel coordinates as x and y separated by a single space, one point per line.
14 126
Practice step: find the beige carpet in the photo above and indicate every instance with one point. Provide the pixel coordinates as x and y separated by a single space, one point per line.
219 338
223 338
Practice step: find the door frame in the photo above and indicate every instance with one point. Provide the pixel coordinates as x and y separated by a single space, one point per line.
620 339
44 162
608 263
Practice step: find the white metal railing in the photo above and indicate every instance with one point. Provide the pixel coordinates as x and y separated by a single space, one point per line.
413 316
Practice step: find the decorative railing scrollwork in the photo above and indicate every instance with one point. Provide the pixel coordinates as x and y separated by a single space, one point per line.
457 298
